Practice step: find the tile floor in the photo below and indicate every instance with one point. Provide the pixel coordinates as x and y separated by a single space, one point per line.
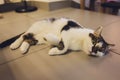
38 65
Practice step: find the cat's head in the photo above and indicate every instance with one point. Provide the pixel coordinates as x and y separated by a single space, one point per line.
100 46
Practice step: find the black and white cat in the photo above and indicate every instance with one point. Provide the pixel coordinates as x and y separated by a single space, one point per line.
65 34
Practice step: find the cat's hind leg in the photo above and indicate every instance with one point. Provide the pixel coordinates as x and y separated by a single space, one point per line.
24 47
17 43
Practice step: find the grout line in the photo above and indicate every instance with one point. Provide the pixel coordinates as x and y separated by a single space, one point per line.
107 25
24 55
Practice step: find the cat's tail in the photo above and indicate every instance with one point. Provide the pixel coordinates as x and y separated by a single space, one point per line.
9 41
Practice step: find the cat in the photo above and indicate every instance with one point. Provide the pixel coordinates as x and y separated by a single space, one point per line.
65 34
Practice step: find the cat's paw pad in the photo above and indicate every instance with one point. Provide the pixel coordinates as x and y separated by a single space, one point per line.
14 46
53 51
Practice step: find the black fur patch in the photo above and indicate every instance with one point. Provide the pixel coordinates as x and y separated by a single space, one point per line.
30 39
71 24
52 19
61 45
45 39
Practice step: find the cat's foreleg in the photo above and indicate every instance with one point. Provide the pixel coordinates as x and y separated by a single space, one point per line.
57 51
17 43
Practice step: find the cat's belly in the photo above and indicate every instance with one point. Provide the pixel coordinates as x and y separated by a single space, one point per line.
75 45
74 48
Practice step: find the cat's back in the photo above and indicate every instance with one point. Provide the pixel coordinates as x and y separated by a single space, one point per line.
48 25
40 26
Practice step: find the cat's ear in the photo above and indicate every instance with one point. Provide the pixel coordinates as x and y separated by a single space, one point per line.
98 31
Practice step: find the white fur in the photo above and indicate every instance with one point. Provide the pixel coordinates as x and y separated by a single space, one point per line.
99 54
52 39
24 47
99 44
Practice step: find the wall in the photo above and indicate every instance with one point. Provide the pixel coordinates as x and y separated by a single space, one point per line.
86 2
47 0
78 1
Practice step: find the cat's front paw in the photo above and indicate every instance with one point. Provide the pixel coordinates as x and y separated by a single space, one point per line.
54 51
14 46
